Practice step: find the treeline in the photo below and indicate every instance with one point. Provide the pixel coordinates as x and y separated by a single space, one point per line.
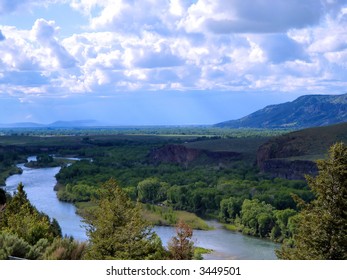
208 131
116 230
197 189
257 218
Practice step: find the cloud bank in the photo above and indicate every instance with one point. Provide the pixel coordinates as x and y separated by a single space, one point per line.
175 45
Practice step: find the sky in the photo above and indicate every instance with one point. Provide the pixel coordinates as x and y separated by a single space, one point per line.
166 62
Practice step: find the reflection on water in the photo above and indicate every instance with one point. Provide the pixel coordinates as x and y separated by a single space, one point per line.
39 184
226 244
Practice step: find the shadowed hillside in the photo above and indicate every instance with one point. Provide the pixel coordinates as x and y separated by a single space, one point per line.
293 154
305 111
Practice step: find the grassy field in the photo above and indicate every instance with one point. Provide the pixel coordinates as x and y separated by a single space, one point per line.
246 146
307 144
158 215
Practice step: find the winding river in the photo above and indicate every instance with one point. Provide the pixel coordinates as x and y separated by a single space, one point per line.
39 184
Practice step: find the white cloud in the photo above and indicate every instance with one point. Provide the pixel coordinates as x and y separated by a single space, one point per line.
2 37
235 45
45 31
17 52
251 16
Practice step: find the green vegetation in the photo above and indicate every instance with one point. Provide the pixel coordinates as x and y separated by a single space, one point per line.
162 131
7 160
181 188
321 227
308 144
117 230
43 161
166 216
27 233
24 220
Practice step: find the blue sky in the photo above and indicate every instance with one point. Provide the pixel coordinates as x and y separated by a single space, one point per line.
142 62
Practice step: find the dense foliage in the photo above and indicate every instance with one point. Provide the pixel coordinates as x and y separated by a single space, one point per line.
20 217
117 230
27 233
233 191
321 227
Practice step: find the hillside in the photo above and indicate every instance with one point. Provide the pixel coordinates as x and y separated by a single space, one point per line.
305 111
293 154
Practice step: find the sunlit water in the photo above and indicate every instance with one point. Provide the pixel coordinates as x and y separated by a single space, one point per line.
39 184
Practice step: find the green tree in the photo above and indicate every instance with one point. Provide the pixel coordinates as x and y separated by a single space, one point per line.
229 208
12 245
281 229
20 217
181 246
116 229
45 159
147 190
257 217
321 231
65 249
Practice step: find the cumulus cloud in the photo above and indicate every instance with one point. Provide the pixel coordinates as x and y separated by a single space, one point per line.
158 57
280 48
252 16
2 37
234 45
125 16
45 31
17 52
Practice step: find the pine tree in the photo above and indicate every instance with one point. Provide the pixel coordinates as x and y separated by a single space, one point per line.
321 232
20 217
116 229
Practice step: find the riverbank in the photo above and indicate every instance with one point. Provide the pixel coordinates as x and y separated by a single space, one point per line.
7 172
157 215
39 184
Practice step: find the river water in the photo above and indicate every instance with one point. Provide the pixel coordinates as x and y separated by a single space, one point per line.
39 184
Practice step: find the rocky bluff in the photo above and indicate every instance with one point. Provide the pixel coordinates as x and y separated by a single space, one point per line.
179 154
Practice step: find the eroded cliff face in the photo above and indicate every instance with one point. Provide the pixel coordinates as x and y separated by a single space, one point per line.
179 154
273 159
292 170
174 154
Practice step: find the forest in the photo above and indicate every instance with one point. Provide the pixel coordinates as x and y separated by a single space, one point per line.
211 173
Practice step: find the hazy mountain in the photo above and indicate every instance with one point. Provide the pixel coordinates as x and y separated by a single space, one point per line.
305 111
57 124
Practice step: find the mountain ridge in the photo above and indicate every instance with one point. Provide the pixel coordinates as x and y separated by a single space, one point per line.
56 124
305 111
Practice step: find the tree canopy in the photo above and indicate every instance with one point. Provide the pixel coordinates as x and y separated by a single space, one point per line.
321 231
20 217
117 230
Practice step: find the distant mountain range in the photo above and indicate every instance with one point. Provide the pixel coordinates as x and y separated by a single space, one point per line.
57 124
305 111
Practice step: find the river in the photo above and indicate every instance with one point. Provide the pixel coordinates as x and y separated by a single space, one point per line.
39 184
